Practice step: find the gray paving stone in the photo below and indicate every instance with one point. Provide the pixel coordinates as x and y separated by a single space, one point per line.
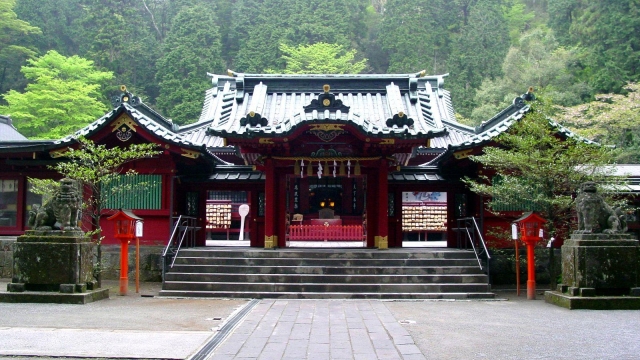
411 349
289 329
414 357
315 348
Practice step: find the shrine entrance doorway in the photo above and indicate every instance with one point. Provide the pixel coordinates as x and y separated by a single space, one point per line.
326 211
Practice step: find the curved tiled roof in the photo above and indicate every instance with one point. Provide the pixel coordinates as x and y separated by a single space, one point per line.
281 102
7 131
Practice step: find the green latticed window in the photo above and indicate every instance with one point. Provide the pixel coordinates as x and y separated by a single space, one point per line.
142 192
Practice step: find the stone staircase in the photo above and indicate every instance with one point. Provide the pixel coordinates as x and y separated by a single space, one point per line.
326 274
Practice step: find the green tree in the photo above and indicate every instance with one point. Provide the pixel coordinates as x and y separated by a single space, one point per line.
611 119
417 34
13 52
294 22
192 48
477 52
606 32
61 97
60 24
321 58
95 167
518 18
536 166
537 61
122 39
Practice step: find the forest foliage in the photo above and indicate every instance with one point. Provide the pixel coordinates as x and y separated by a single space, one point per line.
493 50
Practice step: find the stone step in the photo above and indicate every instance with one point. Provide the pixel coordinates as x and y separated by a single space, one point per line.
324 278
333 270
324 261
326 274
329 295
326 287
327 253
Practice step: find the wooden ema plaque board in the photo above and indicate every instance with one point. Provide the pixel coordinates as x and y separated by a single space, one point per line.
424 217
218 214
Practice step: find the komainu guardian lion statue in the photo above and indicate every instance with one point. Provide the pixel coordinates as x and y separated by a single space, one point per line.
61 211
595 215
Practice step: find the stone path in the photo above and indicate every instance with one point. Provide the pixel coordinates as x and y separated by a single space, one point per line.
332 329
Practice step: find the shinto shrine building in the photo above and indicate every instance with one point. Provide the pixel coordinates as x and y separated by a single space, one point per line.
373 159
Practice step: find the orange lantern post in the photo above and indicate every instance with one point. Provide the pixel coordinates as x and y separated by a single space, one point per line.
125 231
531 231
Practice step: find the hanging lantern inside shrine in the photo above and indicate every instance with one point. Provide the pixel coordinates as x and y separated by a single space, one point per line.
356 169
326 169
342 171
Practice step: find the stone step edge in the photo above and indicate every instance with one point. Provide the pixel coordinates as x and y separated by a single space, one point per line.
328 275
174 282
335 295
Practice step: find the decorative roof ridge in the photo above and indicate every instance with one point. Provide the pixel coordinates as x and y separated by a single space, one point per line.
218 161
127 98
518 104
569 133
6 119
10 132
436 160
190 128
420 74
459 126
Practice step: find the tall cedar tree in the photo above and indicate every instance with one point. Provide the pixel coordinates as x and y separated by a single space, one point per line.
607 32
14 50
477 52
121 40
417 34
191 49
297 22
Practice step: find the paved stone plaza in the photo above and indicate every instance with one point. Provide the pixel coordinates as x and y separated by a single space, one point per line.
147 327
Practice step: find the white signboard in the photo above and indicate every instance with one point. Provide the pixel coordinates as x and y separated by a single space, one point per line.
424 197
244 211
139 229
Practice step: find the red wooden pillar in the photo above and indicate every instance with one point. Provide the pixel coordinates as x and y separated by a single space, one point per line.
382 236
270 237
280 207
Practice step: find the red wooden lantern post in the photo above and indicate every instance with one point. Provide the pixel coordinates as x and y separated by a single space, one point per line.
125 231
531 231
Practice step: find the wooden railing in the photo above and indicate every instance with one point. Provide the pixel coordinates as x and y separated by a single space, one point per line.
326 232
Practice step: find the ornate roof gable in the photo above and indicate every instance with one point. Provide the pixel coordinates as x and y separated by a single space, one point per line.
259 105
326 101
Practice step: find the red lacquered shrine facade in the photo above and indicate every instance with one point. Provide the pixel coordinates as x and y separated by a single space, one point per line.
374 160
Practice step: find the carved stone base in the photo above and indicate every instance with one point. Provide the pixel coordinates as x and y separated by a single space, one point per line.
52 261
54 297
607 263
592 302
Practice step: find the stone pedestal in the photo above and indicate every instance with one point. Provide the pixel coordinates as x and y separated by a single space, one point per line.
607 263
598 271
52 261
